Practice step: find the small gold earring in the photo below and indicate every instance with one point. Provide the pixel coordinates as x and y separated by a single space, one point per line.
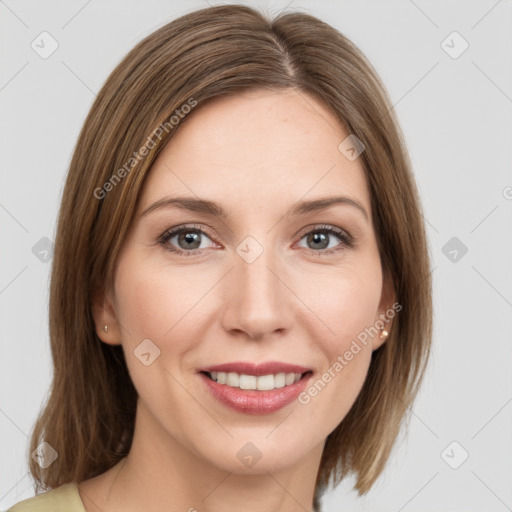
105 328
384 334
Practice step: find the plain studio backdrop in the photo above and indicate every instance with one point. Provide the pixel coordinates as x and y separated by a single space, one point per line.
447 68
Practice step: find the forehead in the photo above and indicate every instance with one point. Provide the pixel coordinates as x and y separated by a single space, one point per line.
258 148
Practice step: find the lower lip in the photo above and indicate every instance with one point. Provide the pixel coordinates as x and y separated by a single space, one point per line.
251 401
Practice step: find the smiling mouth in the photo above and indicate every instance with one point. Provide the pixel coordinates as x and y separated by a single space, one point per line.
257 383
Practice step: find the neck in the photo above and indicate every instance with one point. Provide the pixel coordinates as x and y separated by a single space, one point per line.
160 474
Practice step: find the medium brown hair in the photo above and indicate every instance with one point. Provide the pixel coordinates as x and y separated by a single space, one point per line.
218 51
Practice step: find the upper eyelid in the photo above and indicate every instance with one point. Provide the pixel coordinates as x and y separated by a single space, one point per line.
321 227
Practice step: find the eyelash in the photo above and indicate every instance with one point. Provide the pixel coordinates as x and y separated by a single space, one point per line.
347 241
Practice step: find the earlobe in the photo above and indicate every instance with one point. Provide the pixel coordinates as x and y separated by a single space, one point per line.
383 334
105 320
384 320
379 340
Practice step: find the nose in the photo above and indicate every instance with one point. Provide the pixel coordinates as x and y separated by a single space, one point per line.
257 300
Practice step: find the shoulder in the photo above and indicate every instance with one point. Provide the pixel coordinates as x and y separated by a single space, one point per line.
64 498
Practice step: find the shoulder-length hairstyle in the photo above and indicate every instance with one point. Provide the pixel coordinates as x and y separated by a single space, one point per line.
89 415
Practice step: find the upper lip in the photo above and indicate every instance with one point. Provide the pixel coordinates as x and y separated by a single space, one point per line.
247 368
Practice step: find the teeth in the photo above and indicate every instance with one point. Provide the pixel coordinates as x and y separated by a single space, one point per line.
248 382
289 378
232 379
262 383
265 382
279 380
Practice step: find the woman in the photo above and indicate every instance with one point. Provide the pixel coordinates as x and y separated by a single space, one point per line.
240 303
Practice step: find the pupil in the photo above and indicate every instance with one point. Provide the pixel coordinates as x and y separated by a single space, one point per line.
190 238
320 237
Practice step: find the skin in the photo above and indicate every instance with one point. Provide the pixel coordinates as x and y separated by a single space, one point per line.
256 154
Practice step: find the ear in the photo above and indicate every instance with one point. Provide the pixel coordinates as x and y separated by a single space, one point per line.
386 311
104 314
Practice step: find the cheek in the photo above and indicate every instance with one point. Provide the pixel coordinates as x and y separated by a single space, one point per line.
348 308
350 312
164 306
153 302
346 302
352 309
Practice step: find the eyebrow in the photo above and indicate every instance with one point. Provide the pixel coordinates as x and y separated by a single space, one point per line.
213 209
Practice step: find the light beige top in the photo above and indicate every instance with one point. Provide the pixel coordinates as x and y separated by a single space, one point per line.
64 498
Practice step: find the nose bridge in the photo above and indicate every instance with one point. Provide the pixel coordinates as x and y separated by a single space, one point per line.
258 302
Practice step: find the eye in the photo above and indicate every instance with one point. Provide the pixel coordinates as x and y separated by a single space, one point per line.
320 238
188 239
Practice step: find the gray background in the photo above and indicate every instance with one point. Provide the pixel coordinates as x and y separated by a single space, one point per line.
455 113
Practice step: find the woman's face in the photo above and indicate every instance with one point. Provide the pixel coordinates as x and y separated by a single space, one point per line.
267 282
